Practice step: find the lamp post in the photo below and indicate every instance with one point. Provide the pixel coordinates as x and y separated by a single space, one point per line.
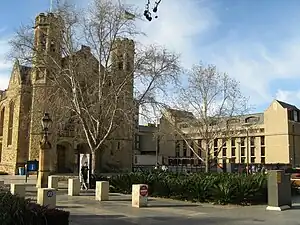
44 156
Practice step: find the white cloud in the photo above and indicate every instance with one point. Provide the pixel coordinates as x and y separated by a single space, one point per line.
178 26
5 66
292 97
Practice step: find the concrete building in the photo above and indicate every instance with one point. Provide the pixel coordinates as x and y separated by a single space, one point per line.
147 146
271 137
24 102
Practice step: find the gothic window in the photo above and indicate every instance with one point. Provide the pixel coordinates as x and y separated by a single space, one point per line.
43 41
10 122
1 121
52 46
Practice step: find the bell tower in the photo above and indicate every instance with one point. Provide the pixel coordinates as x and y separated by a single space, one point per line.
46 61
123 70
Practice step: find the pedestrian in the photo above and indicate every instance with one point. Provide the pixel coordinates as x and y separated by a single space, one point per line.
84 176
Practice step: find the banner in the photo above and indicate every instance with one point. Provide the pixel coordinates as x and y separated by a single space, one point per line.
84 160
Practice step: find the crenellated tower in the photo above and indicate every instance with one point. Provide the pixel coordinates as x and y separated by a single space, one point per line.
46 61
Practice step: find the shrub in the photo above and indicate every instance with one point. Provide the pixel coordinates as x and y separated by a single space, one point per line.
20 211
220 188
3 173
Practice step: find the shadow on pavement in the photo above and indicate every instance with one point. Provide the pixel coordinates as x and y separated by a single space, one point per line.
157 220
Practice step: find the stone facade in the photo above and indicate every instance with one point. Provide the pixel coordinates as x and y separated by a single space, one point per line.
273 137
24 102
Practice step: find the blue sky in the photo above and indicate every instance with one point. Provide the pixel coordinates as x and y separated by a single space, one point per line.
255 41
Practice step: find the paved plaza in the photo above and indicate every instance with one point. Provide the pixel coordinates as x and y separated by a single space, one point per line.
85 210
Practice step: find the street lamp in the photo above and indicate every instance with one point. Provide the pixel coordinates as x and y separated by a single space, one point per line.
45 153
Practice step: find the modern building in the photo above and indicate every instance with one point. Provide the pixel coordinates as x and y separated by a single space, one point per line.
271 137
23 104
147 146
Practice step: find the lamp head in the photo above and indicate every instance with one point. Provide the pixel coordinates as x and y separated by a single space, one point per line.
46 121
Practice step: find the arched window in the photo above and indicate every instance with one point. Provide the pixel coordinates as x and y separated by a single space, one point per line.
252 119
2 121
10 122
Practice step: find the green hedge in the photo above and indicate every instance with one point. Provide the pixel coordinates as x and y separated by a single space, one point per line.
3 173
220 188
15 210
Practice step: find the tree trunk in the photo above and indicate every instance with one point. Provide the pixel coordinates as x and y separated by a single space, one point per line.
93 169
207 158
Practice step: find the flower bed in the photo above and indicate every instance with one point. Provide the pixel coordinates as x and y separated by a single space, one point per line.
19 211
220 188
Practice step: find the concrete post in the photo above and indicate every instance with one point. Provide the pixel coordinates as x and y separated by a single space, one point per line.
102 190
139 195
18 189
47 197
73 187
44 164
279 190
53 182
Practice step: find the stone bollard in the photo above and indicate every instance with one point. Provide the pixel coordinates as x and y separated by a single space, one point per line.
279 190
139 195
73 187
46 197
18 189
1 183
102 190
53 182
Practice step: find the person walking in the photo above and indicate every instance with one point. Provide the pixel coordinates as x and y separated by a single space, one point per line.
84 176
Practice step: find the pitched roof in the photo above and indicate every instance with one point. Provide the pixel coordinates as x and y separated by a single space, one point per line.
287 106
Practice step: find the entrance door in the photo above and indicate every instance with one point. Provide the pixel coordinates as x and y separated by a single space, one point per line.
61 158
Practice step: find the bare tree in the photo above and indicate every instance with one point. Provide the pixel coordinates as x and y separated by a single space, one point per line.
209 107
93 86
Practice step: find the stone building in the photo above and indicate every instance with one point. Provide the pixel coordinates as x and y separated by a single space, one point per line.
271 137
23 104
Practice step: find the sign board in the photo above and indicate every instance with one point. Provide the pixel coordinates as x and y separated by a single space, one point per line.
32 166
50 194
144 190
84 159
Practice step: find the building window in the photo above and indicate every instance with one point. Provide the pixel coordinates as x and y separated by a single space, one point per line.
233 142
252 151
252 159
10 122
252 141
243 141
177 149
243 159
184 149
119 145
2 121
295 115
192 150
224 152
232 152
199 147
252 119
0 152
262 151
262 160
216 143
242 151
262 140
